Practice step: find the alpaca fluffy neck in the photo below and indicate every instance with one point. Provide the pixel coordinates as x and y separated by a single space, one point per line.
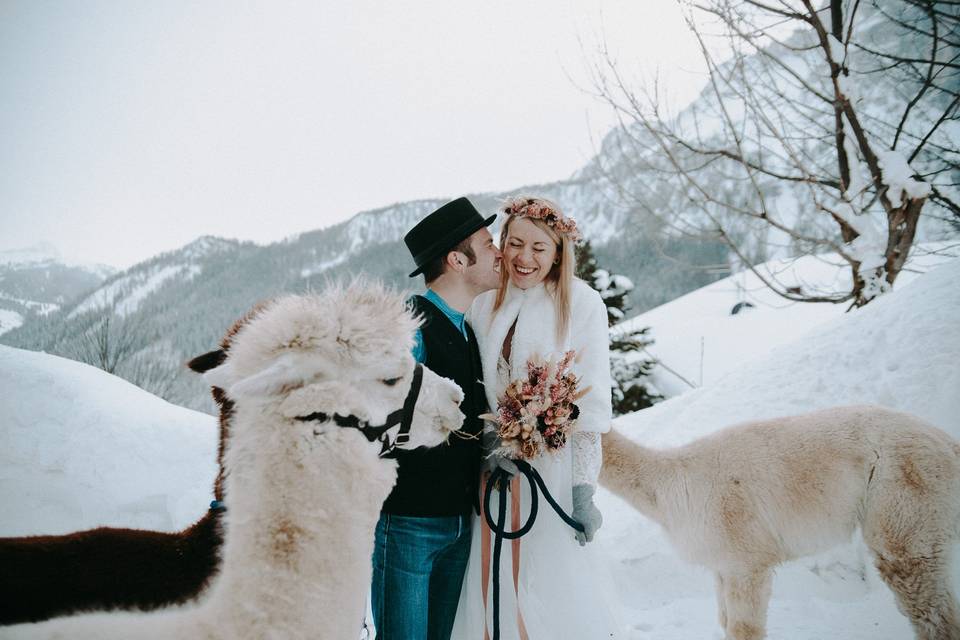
641 476
299 528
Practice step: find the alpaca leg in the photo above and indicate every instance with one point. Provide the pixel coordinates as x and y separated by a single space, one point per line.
909 528
921 583
746 595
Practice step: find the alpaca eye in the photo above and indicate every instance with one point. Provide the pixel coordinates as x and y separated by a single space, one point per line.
391 381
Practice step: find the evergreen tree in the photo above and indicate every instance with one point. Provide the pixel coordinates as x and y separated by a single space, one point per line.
628 366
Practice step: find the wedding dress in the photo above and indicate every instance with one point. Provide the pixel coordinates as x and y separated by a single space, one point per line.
550 586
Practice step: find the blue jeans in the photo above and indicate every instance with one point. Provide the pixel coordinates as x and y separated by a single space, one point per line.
418 567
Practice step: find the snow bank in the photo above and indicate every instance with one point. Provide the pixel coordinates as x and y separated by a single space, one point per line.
698 340
901 351
81 448
9 320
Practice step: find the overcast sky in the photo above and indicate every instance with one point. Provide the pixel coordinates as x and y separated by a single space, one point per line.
132 127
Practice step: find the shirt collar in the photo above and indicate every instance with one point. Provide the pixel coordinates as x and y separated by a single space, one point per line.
456 317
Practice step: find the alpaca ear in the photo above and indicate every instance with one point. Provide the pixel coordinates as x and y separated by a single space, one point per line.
222 376
289 371
207 361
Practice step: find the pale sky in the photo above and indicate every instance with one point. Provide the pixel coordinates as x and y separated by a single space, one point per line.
128 128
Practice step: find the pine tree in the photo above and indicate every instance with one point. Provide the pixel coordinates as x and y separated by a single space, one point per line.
628 367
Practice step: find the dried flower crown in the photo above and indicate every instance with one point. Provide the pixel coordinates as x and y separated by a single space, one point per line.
540 209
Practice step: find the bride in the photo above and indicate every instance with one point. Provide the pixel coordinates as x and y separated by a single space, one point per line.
549 584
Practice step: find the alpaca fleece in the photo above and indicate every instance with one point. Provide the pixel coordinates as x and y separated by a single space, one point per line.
752 496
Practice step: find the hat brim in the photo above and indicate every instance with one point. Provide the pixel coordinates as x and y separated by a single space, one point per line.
450 240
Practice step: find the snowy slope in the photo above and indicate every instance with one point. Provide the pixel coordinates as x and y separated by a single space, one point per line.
698 340
81 448
901 351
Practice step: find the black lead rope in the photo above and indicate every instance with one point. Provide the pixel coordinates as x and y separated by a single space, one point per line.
500 530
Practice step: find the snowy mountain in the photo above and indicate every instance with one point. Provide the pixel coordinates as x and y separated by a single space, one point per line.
81 448
36 281
161 312
774 108
143 323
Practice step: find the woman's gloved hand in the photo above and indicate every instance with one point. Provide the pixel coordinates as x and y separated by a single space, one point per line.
585 512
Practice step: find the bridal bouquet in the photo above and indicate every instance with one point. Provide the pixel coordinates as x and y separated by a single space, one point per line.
536 413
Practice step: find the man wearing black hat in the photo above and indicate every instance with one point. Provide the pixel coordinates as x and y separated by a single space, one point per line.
423 536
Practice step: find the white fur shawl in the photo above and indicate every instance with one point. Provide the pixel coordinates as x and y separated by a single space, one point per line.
535 335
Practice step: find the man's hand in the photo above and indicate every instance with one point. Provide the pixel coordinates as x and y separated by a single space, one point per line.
585 512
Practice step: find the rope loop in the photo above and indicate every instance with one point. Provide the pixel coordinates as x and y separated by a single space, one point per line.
500 529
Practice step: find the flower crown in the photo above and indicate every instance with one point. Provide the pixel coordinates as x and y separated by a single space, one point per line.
543 210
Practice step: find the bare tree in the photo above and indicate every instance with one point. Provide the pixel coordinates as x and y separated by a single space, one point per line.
826 128
109 340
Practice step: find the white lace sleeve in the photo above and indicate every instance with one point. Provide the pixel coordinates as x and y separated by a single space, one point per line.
587 457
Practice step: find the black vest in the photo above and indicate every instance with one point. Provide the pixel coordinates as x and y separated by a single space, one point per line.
444 480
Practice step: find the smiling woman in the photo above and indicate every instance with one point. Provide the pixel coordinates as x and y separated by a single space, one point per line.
547 585
538 241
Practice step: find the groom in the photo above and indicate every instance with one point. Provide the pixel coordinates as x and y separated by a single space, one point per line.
422 540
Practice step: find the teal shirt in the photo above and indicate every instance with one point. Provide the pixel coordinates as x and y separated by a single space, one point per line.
458 319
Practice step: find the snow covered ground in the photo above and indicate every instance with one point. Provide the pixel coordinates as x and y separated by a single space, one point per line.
80 448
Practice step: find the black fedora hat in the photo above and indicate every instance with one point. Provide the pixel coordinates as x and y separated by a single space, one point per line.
442 230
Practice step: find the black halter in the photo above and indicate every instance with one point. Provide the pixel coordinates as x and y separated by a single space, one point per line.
403 417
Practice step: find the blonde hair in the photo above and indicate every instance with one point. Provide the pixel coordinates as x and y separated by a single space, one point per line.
559 281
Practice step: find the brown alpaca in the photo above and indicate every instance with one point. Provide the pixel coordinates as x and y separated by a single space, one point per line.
752 496
112 568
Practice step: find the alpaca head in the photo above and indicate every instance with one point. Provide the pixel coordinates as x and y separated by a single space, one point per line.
345 351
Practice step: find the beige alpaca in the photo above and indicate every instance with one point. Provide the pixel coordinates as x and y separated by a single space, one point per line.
747 498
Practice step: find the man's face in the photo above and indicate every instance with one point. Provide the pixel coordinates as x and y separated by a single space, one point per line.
483 274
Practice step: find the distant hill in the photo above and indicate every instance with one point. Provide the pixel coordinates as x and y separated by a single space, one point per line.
145 322
36 281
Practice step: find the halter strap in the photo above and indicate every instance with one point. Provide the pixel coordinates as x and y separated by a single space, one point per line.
403 417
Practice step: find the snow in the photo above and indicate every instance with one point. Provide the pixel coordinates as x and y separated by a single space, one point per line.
837 51
40 308
9 320
697 340
129 291
320 267
850 87
900 351
898 176
859 174
80 448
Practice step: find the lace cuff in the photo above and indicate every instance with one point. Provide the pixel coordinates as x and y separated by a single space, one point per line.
587 457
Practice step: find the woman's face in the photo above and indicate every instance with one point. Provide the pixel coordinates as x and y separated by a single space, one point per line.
528 253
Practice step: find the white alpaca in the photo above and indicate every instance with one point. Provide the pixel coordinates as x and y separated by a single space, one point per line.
303 496
747 498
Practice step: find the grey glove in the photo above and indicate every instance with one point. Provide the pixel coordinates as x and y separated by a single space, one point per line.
490 442
585 512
